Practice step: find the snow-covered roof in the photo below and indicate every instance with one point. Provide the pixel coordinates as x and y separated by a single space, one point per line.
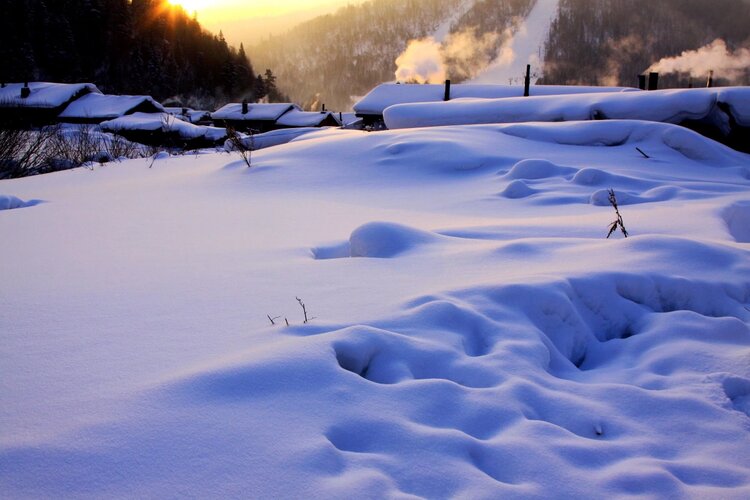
668 106
297 118
259 111
106 106
43 94
164 122
389 94
192 115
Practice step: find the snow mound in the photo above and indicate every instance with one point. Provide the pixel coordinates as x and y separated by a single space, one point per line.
600 198
592 177
537 169
381 240
387 239
517 189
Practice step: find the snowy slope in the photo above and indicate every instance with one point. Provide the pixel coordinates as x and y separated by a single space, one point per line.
475 334
526 47
444 28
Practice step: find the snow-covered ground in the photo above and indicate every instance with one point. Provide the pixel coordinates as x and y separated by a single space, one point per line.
526 47
474 334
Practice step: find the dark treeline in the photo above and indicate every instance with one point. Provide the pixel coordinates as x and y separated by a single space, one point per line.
609 42
126 47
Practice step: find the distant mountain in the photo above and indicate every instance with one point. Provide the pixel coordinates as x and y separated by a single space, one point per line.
335 58
124 46
612 41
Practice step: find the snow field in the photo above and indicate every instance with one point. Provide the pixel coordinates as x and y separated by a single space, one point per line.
475 334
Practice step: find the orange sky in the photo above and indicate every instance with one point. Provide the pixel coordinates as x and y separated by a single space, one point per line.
250 20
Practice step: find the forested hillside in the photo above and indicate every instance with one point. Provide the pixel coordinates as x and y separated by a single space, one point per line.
610 42
138 46
335 57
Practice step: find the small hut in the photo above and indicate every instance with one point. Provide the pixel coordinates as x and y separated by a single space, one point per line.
39 103
196 116
296 118
96 108
251 116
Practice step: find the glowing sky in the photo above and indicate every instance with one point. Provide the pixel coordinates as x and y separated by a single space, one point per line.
249 20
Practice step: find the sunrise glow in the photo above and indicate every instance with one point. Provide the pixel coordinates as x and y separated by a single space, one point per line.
216 11
191 6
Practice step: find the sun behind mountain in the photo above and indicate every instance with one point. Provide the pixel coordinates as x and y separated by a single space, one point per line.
191 6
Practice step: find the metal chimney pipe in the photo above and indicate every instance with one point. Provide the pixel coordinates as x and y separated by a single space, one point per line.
447 96
642 82
25 90
710 82
653 81
527 81
244 106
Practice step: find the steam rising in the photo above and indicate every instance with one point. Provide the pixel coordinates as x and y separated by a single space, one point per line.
421 62
714 56
463 55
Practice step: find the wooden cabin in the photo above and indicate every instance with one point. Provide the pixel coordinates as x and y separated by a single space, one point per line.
39 103
257 117
296 118
96 108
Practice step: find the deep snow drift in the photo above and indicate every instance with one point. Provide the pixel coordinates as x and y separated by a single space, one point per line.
474 333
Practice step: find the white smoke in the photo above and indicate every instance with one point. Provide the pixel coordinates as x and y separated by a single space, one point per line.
465 53
713 57
462 55
421 62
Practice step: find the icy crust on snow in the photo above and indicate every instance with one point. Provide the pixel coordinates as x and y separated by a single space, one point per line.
43 94
389 94
466 343
669 106
165 123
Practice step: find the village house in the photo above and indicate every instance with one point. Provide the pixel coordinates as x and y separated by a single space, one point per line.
189 115
96 108
296 118
257 117
370 108
39 103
